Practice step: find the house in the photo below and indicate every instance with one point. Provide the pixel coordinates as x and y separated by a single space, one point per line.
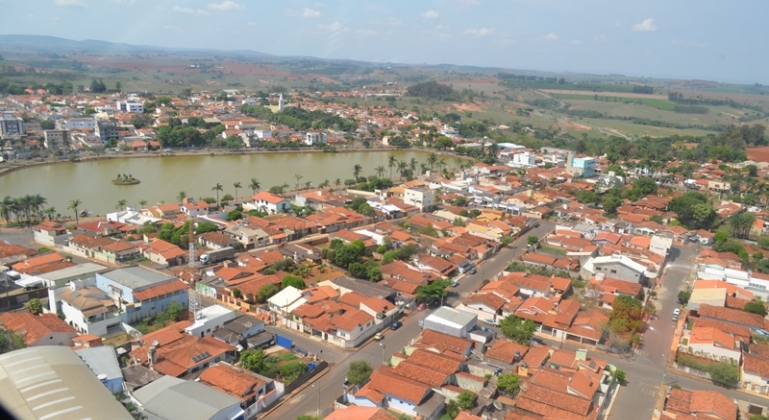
192 208
39 330
387 389
255 392
755 368
711 342
142 292
86 307
50 234
241 331
615 266
732 316
191 400
268 203
355 412
216 240
421 197
171 351
164 253
435 265
102 360
699 405
249 237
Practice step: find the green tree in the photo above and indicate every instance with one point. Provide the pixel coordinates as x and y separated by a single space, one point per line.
174 311
255 185
433 291
218 187
346 255
359 372
724 373
621 377
645 186
234 215
121 204
684 296
267 292
10 341
391 162
755 307
531 240
293 281
35 307
237 294
356 171
518 329
254 360
509 383
466 400
626 315
73 205
237 186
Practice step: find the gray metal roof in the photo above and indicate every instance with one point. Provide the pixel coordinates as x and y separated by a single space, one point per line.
136 277
78 270
101 360
364 287
455 316
51 382
173 398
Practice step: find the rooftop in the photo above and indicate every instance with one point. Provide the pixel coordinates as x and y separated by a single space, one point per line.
62 387
173 398
136 277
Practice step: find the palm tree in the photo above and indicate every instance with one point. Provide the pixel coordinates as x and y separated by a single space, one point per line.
50 211
432 160
73 205
402 167
255 185
6 208
356 171
120 204
337 181
298 178
237 186
182 195
423 167
458 162
142 203
380 170
391 162
442 164
413 164
284 187
218 187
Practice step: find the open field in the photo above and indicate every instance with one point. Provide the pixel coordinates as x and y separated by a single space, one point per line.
663 104
617 94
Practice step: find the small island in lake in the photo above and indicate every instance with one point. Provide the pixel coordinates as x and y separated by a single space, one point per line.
125 180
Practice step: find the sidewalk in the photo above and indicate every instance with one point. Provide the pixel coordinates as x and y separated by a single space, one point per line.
301 388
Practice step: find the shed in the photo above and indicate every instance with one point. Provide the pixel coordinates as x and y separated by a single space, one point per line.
451 321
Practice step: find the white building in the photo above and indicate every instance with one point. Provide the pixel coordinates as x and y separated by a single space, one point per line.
131 106
11 125
424 198
523 159
315 137
209 320
451 321
176 399
76 124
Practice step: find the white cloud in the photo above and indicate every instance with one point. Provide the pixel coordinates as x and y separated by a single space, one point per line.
430 14
576 42
225 6
251 23
76 3
309 13
551 37
334 27
647 25
469 3
188 11
480 31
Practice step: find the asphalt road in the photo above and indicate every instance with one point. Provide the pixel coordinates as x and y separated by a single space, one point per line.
329 387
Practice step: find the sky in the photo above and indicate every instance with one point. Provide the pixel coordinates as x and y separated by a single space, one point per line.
690 39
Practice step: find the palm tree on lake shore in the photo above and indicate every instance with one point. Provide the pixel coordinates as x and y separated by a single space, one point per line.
73 205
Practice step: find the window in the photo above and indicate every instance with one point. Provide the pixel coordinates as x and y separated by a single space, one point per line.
218 359
613 271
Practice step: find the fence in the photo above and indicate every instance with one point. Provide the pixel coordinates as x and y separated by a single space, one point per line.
692 371
305 377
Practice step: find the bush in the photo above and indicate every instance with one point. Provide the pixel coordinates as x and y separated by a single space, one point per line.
291 371
755 307
620 375
35 307
267 292
293 281
683 296
510 383
359 372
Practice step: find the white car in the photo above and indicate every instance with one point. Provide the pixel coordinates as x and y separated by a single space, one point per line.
677 311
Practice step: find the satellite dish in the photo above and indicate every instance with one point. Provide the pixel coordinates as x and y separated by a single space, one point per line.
155 343
497 405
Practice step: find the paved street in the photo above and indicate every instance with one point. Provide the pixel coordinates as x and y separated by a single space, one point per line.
330 385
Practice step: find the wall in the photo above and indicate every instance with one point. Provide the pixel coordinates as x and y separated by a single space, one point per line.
55 339
468 384
622 272
718 352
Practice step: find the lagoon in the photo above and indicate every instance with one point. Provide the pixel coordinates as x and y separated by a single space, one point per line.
163 177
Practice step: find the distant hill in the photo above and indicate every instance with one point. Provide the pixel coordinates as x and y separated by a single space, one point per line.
43 43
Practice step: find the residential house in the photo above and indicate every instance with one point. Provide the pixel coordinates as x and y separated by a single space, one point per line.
712 343
38 330
255 392
699 405
192 208
50 234
389 390
268 203
250 238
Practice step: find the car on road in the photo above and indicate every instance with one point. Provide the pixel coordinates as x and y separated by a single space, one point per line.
676 314
379 336
492 322
455 284
395 325
473 270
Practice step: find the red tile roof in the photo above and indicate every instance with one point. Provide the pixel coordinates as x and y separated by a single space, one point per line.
160 290
34 327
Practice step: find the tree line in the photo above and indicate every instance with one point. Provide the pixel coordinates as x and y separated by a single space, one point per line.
301 119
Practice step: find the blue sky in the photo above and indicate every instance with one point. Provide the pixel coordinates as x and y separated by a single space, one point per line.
705 39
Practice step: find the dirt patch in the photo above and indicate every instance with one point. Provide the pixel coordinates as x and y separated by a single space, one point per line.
758 154
617 94
468 107
575 126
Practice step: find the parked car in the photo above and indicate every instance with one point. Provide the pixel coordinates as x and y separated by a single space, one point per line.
455 284
379 336
395 325
491 322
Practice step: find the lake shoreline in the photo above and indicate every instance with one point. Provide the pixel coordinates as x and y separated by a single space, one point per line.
133 155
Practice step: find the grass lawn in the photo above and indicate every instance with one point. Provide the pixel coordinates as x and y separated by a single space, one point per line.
550 250
654 103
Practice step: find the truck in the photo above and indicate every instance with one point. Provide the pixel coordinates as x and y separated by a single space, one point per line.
217 255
